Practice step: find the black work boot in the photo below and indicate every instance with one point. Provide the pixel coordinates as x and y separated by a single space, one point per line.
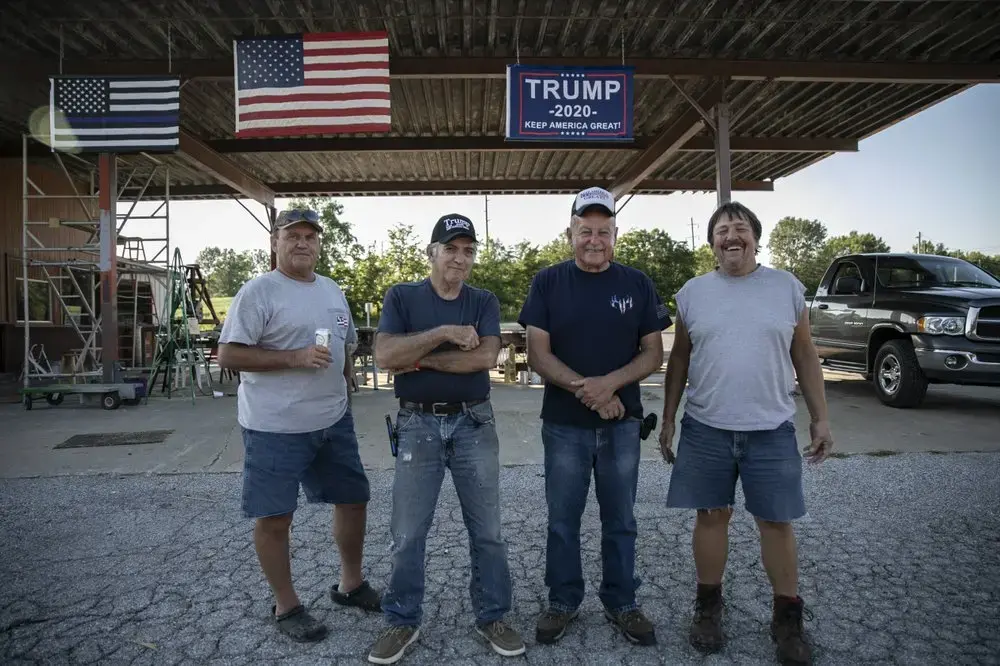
706 626
786 630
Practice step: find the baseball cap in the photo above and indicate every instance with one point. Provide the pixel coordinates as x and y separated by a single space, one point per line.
452 226
287 218
594 196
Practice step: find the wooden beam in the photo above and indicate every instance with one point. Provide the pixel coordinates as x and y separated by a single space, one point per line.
440 144
677 133
419 187
405 67
194 151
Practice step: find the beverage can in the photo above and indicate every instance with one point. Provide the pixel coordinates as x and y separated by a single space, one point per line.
323 337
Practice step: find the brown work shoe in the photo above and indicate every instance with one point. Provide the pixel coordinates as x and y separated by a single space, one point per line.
552 625
634 625
786 630
706 625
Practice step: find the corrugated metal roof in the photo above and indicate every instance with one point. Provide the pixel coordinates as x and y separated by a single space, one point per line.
932 31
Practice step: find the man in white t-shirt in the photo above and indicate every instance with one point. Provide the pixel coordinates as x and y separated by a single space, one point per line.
741 337
294 411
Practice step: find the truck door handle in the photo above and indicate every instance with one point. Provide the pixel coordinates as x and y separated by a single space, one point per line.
823 306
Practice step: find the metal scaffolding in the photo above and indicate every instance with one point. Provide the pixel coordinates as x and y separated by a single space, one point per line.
77 274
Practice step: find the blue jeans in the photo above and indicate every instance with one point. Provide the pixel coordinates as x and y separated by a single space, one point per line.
710 460
467 444
571 454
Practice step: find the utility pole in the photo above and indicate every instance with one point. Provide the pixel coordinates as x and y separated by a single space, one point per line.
920 244
692 235
487 198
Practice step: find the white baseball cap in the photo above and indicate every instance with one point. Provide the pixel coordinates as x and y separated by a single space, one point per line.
594 196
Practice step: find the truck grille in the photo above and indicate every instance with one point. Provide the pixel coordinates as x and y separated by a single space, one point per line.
988 323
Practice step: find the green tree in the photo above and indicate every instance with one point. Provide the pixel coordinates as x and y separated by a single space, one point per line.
930 247
226 270
667 262
797 245
405 257
704 260
854 243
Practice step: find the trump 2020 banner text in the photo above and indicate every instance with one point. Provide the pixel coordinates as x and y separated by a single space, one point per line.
546 103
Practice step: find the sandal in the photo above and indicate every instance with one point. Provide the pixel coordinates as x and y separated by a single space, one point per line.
299 625
364 596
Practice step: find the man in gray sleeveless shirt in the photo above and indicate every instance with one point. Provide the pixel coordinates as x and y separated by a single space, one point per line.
295 414
741 337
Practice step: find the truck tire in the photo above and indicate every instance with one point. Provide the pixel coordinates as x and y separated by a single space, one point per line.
898 379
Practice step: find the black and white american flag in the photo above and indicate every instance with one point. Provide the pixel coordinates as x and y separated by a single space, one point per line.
114 114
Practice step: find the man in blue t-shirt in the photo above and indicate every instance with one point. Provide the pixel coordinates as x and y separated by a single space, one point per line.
441 336
593 329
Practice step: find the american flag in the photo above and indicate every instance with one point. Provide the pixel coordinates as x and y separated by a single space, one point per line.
315 83
114 114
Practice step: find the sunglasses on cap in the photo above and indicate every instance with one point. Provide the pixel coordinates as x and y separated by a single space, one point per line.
296 215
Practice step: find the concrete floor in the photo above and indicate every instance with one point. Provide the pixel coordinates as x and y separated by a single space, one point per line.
206 436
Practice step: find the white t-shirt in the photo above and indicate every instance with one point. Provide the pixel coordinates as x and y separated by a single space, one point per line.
273 311
741 375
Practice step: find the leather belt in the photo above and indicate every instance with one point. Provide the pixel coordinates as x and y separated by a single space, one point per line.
439 408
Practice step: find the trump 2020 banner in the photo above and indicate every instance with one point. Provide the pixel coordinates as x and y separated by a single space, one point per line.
546 103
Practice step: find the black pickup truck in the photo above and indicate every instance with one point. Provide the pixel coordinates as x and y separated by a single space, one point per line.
908 320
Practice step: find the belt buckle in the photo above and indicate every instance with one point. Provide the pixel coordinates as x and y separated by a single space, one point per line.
434 408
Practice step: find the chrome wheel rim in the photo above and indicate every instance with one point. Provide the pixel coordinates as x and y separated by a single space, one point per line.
890 374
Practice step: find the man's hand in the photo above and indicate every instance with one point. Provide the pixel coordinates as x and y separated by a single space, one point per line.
822 442
464 336
612 411
594 392
667 440
311 357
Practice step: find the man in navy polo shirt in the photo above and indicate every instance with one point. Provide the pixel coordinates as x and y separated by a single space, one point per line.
441 336
593 330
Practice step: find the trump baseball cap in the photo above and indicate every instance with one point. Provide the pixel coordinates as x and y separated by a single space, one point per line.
451 226
594 196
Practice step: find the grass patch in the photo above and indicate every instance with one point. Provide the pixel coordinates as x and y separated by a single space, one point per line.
221 305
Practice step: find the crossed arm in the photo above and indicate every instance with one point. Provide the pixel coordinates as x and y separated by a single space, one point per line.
402 352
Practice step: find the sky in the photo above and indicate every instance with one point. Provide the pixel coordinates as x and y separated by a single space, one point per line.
936 173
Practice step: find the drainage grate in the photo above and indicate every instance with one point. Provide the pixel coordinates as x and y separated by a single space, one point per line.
115 439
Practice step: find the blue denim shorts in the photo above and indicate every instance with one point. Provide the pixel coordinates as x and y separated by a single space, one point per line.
325 462
710 460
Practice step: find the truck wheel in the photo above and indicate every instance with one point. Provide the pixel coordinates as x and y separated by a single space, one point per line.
898 379
111 400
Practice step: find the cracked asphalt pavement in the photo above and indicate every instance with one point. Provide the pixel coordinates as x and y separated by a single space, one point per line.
900 563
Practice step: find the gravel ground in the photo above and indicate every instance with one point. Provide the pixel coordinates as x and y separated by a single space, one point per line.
900 562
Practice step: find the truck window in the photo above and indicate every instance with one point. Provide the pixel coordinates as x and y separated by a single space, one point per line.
846 270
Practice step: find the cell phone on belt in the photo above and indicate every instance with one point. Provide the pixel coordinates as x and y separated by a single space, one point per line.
393 436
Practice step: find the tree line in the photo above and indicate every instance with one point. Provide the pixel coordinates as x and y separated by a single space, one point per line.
366 273
804 248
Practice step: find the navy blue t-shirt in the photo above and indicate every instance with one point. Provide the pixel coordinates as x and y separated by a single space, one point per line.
414 307
594 322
